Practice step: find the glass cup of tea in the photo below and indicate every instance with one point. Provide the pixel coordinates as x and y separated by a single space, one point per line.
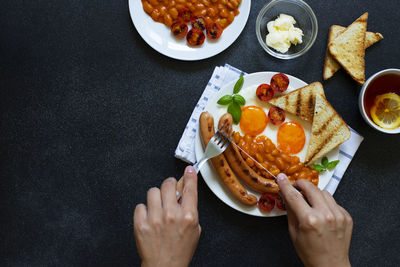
379 101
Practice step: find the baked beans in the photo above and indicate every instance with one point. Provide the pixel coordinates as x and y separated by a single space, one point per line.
222 12
265 152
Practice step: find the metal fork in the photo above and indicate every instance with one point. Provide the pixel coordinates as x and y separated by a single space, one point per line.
217 145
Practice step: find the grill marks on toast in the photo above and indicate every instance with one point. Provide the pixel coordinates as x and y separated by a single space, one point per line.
311 102
327 138
323 127
300 102
327 132
325 141
328 129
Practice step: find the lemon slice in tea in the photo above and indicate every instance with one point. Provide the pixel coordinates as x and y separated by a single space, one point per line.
386 111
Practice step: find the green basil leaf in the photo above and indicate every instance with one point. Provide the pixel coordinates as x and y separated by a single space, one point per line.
324 161
318 167
238 85
225 100
332 164
236 112
239 100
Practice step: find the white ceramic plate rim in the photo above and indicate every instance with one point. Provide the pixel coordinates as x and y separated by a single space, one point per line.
208 172
159 37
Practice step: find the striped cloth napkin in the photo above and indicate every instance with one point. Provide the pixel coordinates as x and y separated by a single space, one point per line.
222 76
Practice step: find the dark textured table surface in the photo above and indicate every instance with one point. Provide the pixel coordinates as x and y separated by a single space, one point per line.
90 116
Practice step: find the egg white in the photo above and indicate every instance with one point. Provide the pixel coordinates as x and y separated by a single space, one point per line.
249 94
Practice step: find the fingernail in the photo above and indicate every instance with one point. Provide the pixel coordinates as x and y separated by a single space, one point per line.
281 177
190 169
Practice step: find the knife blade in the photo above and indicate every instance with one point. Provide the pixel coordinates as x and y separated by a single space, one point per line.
247 154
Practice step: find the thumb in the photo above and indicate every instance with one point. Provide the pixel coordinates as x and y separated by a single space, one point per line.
189 194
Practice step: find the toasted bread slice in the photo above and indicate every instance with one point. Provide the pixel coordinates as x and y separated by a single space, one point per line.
328 130
370 37
348 48
300 102
331 65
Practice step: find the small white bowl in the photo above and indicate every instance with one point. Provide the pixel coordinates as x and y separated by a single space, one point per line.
361 101
305 18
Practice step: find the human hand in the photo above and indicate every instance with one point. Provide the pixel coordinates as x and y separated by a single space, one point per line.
167 232
320 229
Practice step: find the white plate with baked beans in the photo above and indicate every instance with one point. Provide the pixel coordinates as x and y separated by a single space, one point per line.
209 174
231 14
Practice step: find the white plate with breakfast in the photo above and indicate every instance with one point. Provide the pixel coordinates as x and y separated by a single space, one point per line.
306 129
189 30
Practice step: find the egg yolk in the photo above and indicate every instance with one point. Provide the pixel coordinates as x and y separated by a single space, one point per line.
291 137
253 120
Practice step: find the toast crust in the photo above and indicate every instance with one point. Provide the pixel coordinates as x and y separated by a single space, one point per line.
331 65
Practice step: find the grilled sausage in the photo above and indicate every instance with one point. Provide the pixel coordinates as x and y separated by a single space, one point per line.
221 165
242 169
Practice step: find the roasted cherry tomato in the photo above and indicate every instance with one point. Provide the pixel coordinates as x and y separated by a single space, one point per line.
214 31
179 28
185 14
267 202
199 23
279 203
264 92
195 37
279 82
276 115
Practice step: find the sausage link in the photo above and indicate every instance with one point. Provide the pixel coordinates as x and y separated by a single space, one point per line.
242 169
221 165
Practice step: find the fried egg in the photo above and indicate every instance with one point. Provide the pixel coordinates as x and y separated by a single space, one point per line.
291 137
294 135
253 120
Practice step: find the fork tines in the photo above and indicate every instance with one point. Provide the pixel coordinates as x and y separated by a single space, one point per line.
223 135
